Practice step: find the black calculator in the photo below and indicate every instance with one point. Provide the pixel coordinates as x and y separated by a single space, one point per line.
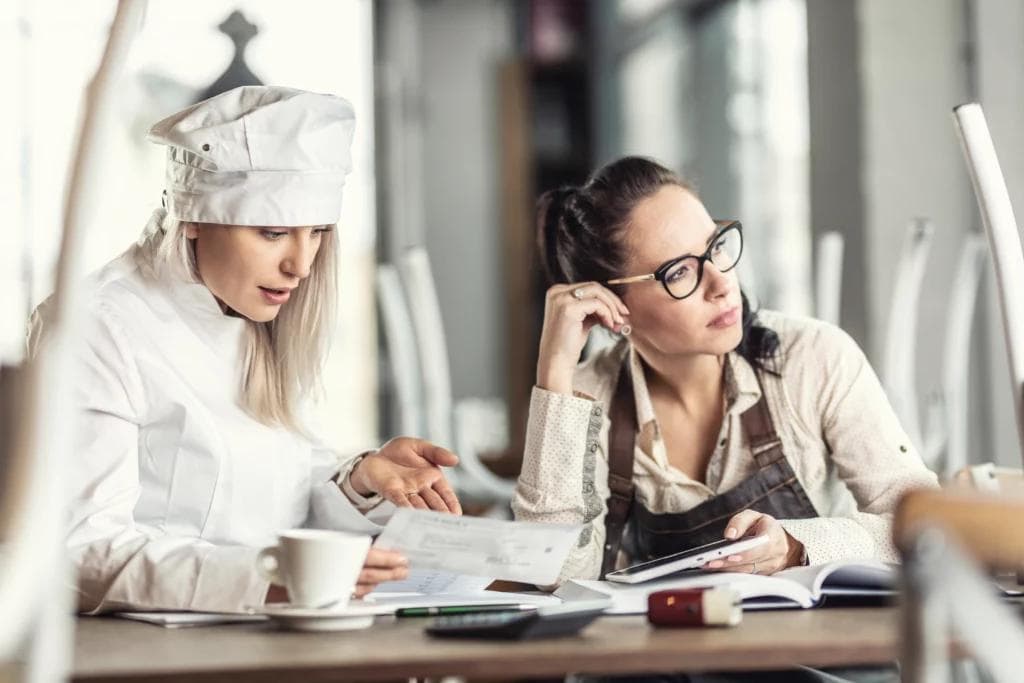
546 622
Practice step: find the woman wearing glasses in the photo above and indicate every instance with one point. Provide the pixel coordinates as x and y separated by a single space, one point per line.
706 420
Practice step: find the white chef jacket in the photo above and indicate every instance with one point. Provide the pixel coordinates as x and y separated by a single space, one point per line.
173 487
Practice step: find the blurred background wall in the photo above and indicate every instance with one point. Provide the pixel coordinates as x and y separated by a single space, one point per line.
798 117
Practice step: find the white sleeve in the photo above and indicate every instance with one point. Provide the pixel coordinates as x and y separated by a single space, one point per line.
872 455
564 479
123 564
330 508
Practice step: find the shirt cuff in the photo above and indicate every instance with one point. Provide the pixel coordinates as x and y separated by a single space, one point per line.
830 539
344 480
331 509
228 581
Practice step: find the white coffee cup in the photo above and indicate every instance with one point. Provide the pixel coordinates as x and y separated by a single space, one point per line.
318 567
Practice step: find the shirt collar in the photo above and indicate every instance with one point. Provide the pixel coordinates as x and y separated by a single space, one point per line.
742 388
197 301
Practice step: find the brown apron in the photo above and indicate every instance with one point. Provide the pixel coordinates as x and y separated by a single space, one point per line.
773 489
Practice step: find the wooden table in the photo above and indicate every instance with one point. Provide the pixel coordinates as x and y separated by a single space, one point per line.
115 650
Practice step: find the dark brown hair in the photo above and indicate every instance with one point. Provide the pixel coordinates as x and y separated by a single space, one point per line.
581 231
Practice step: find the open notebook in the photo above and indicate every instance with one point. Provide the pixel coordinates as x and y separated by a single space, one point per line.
845 582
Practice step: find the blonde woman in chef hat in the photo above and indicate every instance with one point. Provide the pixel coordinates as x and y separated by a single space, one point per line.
204 342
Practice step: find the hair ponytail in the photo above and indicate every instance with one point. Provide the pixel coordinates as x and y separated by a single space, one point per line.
551 233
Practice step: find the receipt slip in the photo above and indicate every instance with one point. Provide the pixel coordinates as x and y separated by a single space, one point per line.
529 552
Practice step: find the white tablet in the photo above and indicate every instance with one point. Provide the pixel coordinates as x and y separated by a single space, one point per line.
693 558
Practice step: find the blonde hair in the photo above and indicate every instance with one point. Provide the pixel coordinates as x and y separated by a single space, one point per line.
284 357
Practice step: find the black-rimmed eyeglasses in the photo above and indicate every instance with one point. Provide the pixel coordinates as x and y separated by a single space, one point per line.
682 275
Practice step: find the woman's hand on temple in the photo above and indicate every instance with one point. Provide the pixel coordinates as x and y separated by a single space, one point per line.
570 312
781 550
408 473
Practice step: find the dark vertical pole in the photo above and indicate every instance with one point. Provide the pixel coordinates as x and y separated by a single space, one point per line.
836 148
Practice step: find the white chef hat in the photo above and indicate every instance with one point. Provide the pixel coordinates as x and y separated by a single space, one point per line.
258 155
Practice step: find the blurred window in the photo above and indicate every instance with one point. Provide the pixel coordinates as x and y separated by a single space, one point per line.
718 90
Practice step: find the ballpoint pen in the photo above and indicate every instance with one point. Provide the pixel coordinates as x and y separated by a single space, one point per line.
460 609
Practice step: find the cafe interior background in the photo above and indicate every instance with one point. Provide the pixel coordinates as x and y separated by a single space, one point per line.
822 125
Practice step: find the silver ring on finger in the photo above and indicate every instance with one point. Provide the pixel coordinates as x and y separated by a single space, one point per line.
753 569
579 292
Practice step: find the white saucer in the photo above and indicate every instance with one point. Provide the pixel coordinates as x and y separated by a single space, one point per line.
350 618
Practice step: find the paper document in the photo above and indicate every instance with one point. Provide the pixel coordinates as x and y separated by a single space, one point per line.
529 552
430 582
377 603
389 602
186 619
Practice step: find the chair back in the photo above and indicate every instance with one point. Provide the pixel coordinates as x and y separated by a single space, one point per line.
403 355
898 361
428 325
944 536
1003 240
37 410
957 355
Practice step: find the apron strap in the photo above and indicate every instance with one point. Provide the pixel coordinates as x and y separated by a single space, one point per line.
759 427
621 445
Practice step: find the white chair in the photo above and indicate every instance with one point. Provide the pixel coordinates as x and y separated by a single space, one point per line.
946 418
39 416
828 282
1004 242
990 478
947 427
472 477
944 537
425 311
901 334
481 425
400 337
